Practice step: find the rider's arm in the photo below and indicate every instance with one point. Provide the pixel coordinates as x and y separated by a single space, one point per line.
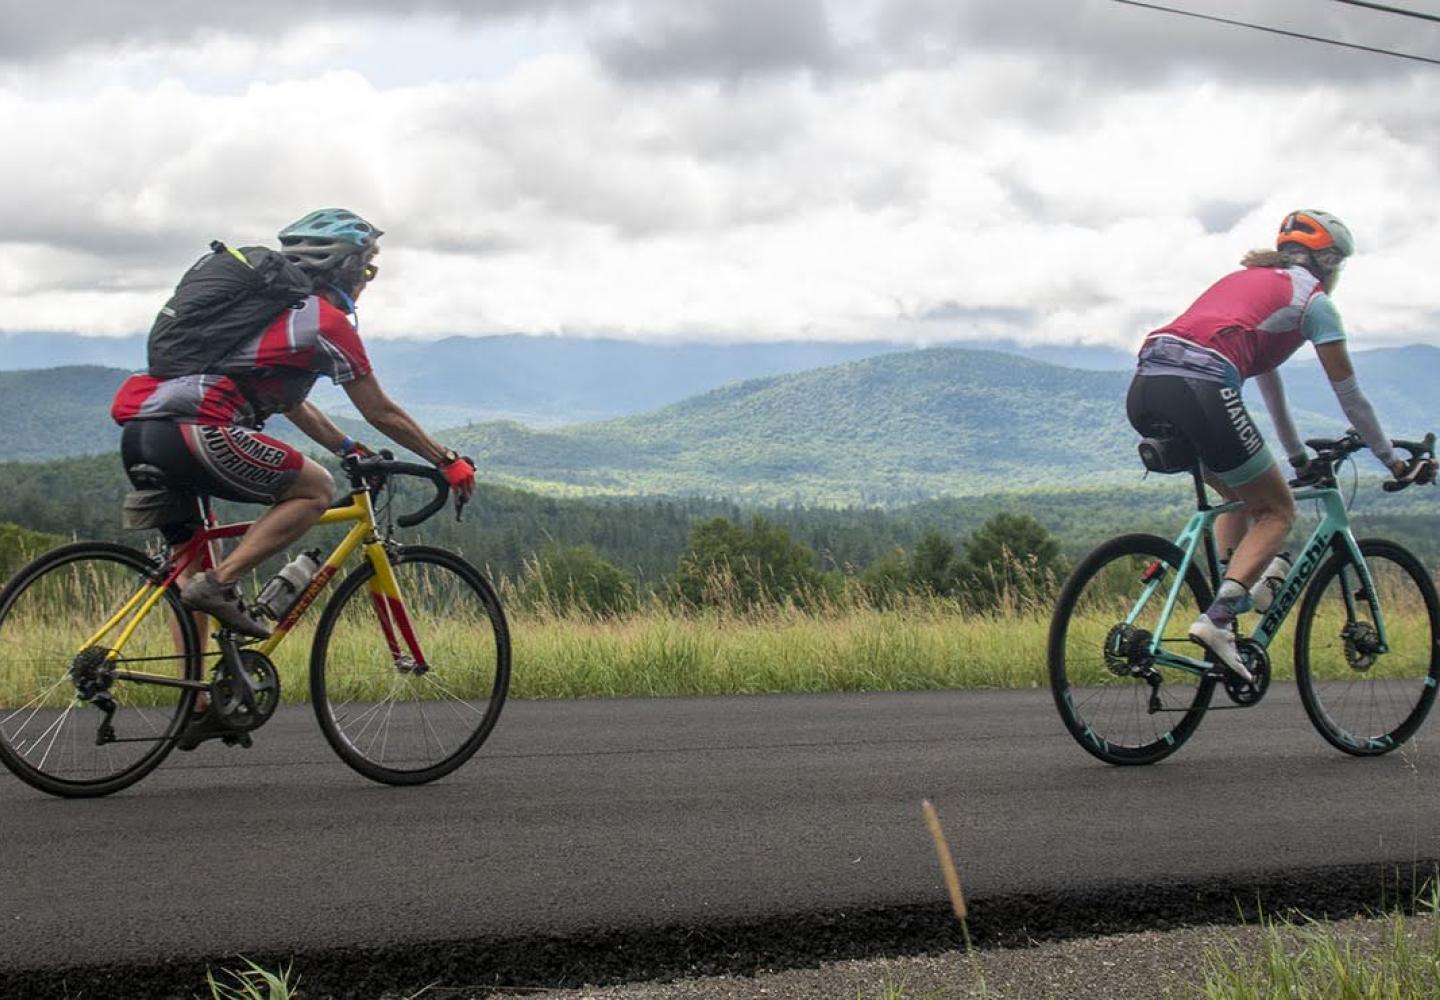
316 425
1272 390
386 416
1335 359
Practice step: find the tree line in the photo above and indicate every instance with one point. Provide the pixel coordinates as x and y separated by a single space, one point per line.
593 552
1011 559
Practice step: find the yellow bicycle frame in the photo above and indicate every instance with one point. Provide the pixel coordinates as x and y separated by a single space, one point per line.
384 590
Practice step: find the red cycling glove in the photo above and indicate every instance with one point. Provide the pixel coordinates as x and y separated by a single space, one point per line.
460 474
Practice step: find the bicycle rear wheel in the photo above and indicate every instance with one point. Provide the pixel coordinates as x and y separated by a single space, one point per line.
407 696
1363 701
55 684
1114 700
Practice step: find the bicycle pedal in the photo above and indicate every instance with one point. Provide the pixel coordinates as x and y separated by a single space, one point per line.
241 740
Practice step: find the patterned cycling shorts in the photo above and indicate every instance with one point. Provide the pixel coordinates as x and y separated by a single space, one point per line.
231 463
1211 415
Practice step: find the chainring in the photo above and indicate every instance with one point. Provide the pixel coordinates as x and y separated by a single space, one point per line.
266 679
1257 661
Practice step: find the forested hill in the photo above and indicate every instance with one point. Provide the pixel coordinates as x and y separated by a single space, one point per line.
890 429
65 412
902 427
57 412
886 430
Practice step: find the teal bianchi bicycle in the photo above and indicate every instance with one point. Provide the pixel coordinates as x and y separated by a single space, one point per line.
1132 687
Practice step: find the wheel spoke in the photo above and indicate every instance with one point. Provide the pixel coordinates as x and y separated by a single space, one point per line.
1100 653
54 732
399 736
1362 701
53 608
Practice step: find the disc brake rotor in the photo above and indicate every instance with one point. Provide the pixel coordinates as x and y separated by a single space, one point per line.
1127 650
1362 645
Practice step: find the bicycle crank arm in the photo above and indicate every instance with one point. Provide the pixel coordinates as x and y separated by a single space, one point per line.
241 682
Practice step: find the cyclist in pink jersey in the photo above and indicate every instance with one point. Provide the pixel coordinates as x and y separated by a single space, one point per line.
1189 380
202 431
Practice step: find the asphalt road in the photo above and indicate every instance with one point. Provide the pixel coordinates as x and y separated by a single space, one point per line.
607 821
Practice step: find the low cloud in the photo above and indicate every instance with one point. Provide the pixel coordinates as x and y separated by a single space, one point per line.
690 39
32 31
806 170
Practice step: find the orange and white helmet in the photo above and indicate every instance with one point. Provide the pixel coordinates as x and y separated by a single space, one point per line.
1319 232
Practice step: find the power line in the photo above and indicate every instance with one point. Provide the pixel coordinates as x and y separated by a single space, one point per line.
1392 10
1281 31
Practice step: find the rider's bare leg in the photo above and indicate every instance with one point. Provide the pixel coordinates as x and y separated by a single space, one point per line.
1231 527
1253 536
295 513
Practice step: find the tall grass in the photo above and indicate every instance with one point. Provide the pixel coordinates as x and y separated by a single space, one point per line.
922 643
1317 960
831 639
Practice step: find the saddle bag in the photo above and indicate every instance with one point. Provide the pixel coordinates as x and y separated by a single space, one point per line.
1167 454
149 509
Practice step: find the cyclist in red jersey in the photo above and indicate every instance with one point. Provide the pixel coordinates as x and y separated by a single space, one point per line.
202 431
1189 378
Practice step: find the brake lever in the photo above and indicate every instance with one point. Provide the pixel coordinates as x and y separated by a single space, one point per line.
1422 473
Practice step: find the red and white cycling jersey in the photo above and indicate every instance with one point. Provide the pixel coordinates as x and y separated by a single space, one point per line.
1245 324
268 374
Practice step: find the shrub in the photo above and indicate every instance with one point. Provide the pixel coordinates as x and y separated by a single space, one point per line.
727 565
566 578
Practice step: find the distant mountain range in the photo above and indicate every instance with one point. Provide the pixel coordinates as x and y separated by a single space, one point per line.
892 428
541 381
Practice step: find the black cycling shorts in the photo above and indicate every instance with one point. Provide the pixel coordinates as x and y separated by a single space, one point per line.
226 462
1210 415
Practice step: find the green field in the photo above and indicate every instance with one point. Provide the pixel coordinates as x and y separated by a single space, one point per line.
925 644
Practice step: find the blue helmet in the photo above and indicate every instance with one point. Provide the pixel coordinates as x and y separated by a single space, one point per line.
326 239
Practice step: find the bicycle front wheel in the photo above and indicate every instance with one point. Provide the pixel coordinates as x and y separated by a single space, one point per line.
1363 700
1118 703
59 677
407 689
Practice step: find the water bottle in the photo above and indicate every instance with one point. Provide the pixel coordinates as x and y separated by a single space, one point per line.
285 586
1264 591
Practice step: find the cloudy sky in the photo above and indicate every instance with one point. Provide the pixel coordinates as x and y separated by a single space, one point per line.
926 170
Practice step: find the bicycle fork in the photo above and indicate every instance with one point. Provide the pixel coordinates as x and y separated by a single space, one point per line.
395 621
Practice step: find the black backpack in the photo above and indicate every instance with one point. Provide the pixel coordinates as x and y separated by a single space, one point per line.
227 297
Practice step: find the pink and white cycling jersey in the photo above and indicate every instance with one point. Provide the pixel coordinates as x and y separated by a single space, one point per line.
1245 324
270 373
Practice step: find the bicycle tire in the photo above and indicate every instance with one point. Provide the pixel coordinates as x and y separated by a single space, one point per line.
1356 708
343 686
1094 711
30 620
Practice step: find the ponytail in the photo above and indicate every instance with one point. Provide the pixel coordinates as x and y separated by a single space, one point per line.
1270 258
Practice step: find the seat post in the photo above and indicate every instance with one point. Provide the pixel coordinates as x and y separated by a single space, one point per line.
1202 499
